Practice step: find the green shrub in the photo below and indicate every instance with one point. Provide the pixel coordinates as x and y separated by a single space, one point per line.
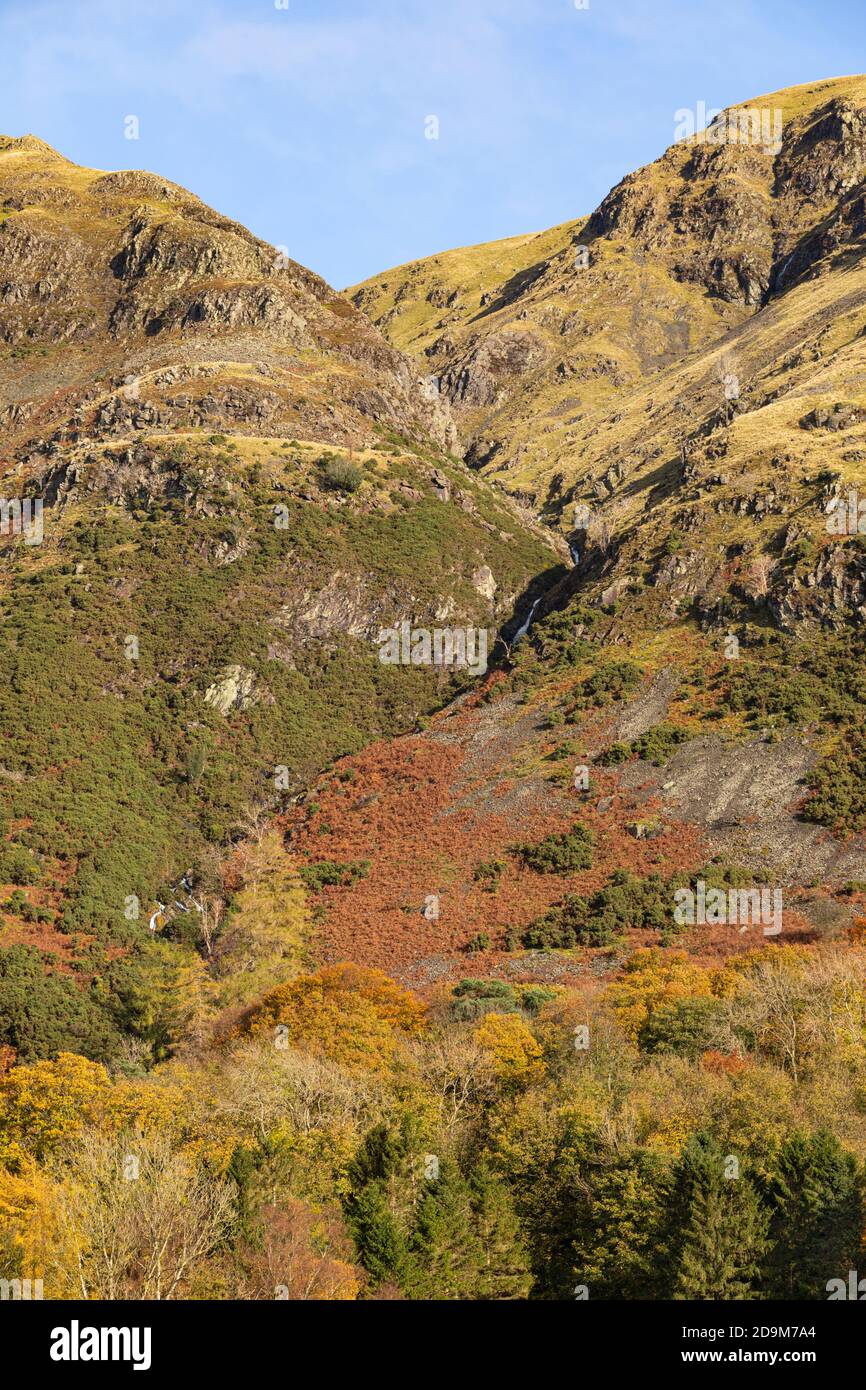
625 903
534 997
480 942
329 873
17 865
474 998
837 786
19 904
488 874
565 926
614 755
484 989
656 746
613 680
339 475
42 1014
567 853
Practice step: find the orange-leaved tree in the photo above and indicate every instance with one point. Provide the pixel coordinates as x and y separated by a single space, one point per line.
350 1013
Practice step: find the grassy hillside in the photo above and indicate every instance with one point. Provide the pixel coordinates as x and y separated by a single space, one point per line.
434 1025
614 356
241 487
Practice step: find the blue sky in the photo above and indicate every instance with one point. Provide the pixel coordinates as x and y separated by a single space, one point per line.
307 123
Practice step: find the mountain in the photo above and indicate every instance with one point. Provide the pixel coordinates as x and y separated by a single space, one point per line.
242 483
477 980
602 344
687 408
245 484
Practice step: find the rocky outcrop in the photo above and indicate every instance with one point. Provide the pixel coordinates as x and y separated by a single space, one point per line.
477 378
235 691
145 276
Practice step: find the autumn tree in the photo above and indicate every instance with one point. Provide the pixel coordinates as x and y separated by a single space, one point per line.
349 1013
515 1054
299 1253
140 1215
654 979
47 1103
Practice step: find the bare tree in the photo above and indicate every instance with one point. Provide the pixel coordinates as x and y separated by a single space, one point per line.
265 1085
254 822
139 1215
209 921
457 1070
303 1254
762 570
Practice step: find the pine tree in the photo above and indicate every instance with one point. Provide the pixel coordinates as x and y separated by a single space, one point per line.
504 1267
817 1216
371 1205
378 1240
444 1246
724 1242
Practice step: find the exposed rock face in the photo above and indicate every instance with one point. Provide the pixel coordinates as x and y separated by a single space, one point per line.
832 593
543 343
729 214
476 379
348 603
485 583
236 690
141 279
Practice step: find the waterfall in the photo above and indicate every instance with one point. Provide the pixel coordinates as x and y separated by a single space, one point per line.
524 627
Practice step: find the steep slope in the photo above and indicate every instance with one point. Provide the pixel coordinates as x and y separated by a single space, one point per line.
691 691
581 326
241 484
109 280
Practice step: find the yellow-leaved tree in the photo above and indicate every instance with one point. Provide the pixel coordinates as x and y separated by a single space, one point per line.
46 1103
652 979
515 1053
264 940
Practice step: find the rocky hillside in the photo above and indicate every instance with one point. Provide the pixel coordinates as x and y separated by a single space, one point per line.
661 407
604 343
687 406
388 980
129 304
241 484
